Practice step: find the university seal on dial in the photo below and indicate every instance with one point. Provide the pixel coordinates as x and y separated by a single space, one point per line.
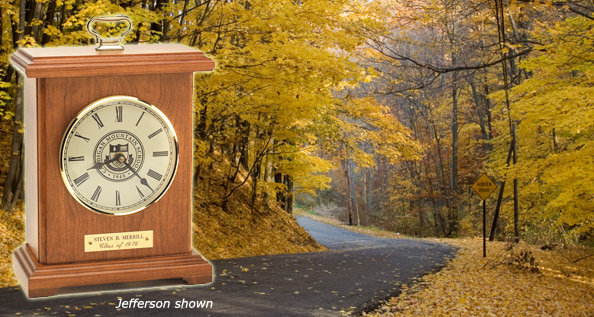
118 155
118 148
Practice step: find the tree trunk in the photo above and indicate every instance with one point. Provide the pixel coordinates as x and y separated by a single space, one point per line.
26 15
62 18
255 178
453 214
420 211
241 145
280 193
353 189
364 192
347 173
439 221
19 187
481 115
288 194
370 191
14 171
440 172
163 27
38 13
516 206
49 19
181 19
265 177
454 179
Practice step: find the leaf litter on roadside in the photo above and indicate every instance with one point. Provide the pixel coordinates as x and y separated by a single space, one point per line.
513 280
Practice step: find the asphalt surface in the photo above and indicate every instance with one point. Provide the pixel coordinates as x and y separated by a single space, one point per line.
356 274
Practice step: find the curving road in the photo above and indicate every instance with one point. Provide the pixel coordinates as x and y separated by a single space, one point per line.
354 276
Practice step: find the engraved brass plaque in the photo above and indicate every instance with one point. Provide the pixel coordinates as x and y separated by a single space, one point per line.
118 241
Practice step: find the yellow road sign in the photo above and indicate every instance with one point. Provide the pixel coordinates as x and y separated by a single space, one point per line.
484 186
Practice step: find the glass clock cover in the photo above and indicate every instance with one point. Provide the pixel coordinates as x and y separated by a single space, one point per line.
118 155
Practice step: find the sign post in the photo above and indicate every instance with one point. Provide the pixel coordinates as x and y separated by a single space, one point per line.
484 187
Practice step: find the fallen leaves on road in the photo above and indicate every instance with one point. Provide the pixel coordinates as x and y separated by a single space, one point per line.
514 279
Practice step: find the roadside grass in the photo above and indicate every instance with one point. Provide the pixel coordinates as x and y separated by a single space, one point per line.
368 230
515 279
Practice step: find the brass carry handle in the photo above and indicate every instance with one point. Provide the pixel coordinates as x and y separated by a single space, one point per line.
110 43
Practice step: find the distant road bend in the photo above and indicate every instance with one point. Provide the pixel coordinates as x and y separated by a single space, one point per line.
356 274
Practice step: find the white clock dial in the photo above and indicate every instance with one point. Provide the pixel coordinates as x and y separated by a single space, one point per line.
119 155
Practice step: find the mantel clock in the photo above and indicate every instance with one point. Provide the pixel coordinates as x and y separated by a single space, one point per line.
108 134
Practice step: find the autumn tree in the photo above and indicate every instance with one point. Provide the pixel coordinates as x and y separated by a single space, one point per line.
273 101
555 131
429 60
272 95
441 65
28 23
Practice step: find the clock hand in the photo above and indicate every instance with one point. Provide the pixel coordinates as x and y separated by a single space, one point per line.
142 180
99 165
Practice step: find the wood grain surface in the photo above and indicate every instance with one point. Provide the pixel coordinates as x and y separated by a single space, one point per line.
52 62
32 228
60 82
65 220
39 280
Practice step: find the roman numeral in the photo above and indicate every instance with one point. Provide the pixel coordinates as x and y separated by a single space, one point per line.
160 153
82 137
96 194
98 120
152 135
137 122
81 179
118 202
76 158
154 175
139 192
119 113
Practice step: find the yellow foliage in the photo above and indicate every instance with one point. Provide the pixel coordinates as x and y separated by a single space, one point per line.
556 130
243 229
501 284
367 121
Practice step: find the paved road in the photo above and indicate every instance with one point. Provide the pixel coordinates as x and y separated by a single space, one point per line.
354 275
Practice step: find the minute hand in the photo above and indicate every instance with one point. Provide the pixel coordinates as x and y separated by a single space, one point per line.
142 180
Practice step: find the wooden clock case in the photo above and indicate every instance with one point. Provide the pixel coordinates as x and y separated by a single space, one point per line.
59 82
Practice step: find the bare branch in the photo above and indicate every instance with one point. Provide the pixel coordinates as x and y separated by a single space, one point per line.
445 70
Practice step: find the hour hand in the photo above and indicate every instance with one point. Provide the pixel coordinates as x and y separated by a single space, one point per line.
99 165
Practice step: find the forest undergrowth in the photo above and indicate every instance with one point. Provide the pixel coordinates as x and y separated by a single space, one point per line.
244 227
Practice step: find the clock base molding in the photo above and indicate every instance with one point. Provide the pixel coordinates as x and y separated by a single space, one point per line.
39 280
133 180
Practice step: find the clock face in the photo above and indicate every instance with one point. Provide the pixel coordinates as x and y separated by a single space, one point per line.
118 155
